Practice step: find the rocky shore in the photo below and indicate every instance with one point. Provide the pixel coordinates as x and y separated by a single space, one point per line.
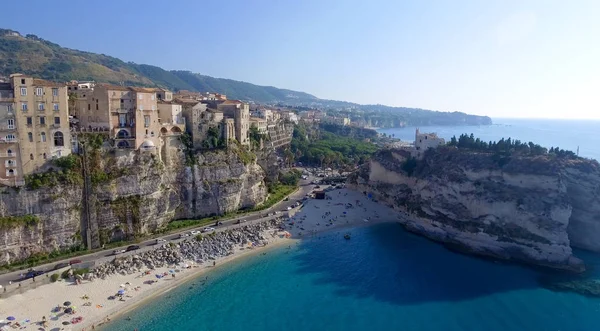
201 249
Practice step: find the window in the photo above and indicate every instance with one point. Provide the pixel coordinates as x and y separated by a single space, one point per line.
55 106
31 156
141 107
39 91
41 106
57 120
24 106
43 136
9 152
96 106
153 107
152 96
10 137
58 139
140 96
29 120
89 107
55 92
30 137
146 121
9 108
23 91
22 81
42 120
11 124
44 156
11 172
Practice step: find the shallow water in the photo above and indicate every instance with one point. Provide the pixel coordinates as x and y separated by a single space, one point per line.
382 279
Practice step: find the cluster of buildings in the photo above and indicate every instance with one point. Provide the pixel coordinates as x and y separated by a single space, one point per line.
41 120
317 116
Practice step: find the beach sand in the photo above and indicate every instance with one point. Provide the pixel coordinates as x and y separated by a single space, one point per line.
344 209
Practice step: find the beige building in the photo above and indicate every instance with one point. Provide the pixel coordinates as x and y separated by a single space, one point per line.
34 126
424 141
129 114
259 123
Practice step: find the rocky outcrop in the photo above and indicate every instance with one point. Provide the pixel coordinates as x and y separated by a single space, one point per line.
528 209
198 250
140 195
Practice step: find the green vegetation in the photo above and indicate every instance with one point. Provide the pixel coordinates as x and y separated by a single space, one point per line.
409 165
507 147
9 222
330 149
54 278
290 178
242 152
69 172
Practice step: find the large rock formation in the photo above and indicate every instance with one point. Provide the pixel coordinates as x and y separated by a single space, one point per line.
140 195
529 209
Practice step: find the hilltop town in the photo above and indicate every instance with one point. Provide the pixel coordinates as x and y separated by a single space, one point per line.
42 120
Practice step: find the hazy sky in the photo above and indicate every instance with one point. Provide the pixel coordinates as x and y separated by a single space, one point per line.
499 58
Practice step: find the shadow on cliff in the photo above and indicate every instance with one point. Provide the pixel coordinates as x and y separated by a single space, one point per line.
386 263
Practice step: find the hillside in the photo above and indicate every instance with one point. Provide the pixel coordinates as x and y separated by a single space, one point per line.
34 56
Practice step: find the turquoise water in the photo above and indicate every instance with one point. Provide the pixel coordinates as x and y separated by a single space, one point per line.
566 134
382 279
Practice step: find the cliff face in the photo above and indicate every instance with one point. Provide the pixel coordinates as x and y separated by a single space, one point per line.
146 194
530 209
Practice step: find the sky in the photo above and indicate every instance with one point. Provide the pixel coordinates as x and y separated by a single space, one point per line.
501 58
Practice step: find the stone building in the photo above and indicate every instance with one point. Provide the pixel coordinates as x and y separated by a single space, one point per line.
34 126
424 141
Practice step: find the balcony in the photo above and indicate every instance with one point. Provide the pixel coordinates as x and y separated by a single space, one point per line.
11 165
8 154
120 111
7 99
8 141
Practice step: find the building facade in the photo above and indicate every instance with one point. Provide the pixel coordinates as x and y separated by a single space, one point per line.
34 126
424 141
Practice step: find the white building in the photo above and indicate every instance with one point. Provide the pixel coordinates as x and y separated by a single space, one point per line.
424 141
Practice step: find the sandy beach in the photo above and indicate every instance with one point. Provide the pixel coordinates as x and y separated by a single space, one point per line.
341 210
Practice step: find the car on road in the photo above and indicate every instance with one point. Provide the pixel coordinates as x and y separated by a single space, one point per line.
195 232
61 265
32 273
74 261
183 235
132 248
289 208
317 186
286 199
119 251
160 241
207 229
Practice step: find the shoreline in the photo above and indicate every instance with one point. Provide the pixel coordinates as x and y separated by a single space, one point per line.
343 210
102 324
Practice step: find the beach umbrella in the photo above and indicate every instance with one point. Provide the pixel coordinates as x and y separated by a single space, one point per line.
122 285
68 310
121 292
67 303
172 271
10 318
66 323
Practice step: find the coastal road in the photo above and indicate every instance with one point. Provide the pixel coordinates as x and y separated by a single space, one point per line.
107 255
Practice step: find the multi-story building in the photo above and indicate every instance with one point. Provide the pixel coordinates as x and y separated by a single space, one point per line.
288 115
259 123
129 114
34 126
424 141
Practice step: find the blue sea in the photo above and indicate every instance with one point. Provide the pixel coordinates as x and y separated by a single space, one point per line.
566 134
382 279
385 278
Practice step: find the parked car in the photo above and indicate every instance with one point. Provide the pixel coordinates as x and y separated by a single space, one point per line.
60 266
160 241
132 248
75 261
289 208
118 251
183 235
195 232
32 273
218 223
317 186
208 229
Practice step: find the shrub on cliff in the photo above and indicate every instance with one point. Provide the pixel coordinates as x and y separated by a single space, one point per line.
7 222
54 277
